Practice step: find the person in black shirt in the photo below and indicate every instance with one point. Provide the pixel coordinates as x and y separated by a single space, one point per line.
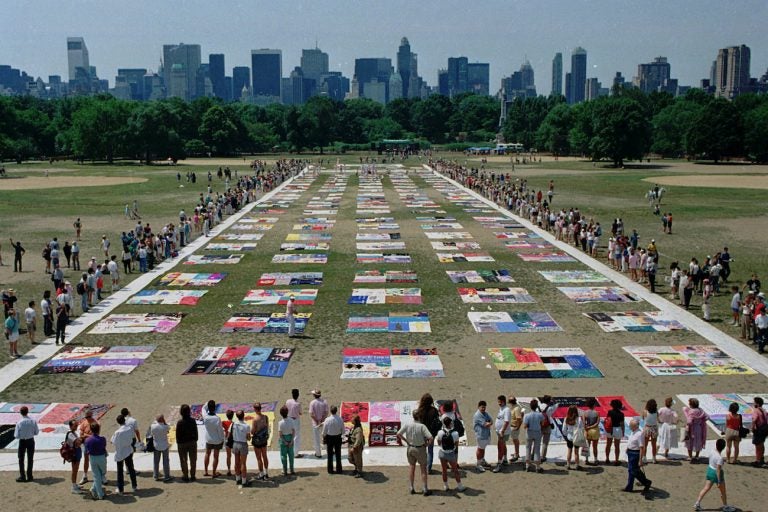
19 252
186 441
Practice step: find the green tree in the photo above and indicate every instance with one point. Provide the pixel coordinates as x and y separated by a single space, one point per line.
621 130
401 110
717 132
431 117
580 135
384 128
474 113
553 134
217 130
153 128
756 133
671 125
318 119
524 117
99 128
353 117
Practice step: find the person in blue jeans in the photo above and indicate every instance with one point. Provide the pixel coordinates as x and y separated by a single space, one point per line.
635 456
96 447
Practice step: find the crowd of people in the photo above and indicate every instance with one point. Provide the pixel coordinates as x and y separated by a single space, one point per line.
624 251
141 248
649 438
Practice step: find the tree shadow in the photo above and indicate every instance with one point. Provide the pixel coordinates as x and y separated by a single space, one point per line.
47 480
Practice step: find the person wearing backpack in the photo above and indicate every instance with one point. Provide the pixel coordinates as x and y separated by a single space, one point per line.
75 454
448 440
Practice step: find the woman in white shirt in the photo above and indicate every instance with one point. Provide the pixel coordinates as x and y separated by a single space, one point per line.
668 433
571 425
159 433
715 476
651 427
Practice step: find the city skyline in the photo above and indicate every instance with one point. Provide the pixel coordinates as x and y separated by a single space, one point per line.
629 35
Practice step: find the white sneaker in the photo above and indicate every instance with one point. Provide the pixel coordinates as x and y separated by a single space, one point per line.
480 469
460 487
84 480
446 488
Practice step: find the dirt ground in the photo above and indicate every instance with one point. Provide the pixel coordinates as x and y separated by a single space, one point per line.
713 180
42 182
158 384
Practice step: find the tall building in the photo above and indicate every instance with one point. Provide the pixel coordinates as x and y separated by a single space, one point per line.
653 76
557 75
373 75
732 76
314 64
297 89
180 66
520 84
405 62
241 79
216 72
334 85
618 81
266 72
133 80
458 75
479 78
442 82
79 65
578 76
13 79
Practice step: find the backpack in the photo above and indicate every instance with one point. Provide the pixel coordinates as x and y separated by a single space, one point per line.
458 426
80 288
67 452
545 422
448 444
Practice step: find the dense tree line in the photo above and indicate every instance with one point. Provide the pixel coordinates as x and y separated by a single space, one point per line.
626 125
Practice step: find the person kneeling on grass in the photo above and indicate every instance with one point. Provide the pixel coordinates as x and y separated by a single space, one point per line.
715 476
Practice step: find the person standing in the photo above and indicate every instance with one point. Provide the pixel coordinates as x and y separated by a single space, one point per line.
294 412
650 271
635 457
86 429
333 428
416 436
105 245
290 316
67 250
75 256
241 432
287 430
533 422
355 447
696 427
12 333
114 273
571 425
18 253
503 419
30 319
73 441
430 417
761 327
715 476
25 431
448 440
78 225
516 422
96 447
159 430
733 425
318 411
122 440
549 422
47 311
668 433
592 428
186 443
651 427
214 438
259 440
759 430
482 423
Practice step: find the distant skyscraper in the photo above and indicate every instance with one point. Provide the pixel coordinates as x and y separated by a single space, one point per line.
297 89
575 93
373 71
266 71
180 65
216 72
732 76
241 78
618 81
334 85
79 65
314 63
458 75
653 76
134 80
520 84
405 61
442 82
557 75
478 78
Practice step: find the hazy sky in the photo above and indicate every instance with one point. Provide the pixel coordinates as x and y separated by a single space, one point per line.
617 34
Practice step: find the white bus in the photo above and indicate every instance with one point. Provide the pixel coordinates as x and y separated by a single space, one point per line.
512 147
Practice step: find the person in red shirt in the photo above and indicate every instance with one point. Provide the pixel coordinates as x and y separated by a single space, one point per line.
227 424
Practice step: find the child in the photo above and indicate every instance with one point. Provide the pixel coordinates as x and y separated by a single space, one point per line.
735 304
715 476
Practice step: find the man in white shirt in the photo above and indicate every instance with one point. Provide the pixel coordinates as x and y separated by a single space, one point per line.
214 437
333 428
114 273
294 412
761 324
30 318
635 456
318 411
416 436
123 439
131 422
25 431
503 419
